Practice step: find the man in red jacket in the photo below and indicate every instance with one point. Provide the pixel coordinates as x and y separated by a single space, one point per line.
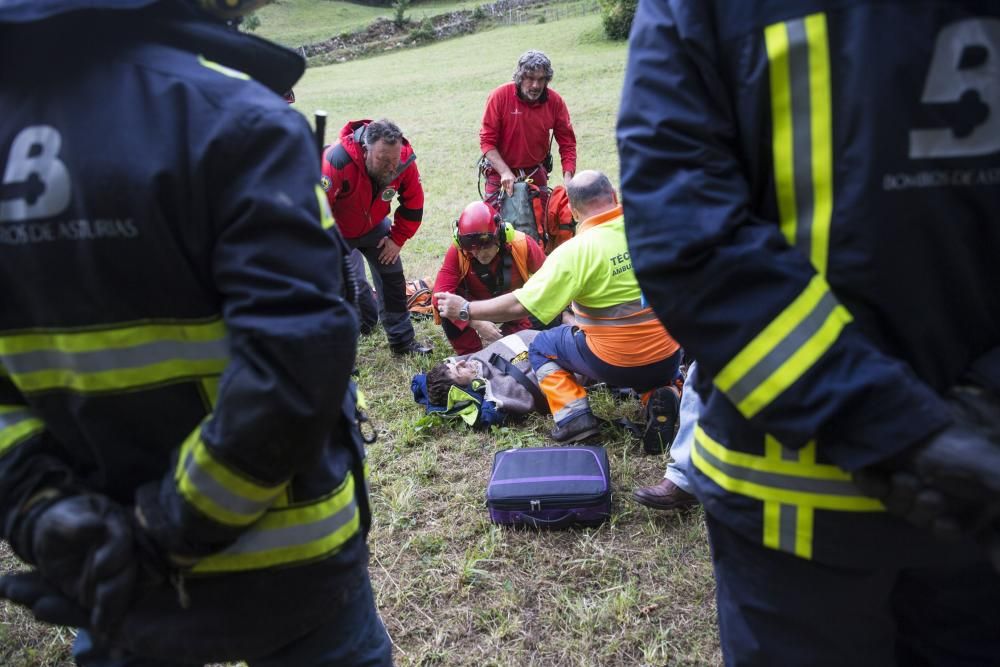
517 121
370 164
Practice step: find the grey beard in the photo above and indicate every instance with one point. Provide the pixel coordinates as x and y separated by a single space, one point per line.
378 182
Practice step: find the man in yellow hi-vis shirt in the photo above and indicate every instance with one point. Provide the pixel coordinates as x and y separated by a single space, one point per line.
618 339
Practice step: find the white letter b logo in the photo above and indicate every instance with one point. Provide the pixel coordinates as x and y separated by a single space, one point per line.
36 183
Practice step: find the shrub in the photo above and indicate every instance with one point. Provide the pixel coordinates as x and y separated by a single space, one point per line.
399 8
617 17
424 32
249 23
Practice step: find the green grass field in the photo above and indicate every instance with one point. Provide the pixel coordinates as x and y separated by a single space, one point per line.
452 588
437 94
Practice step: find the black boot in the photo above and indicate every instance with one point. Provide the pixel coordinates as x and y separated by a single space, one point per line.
581 428
661 420
413 347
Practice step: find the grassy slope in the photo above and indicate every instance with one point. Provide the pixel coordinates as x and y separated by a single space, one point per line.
437 93
452 589
298 22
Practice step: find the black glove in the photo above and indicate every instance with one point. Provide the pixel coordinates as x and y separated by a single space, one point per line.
83 547
949 483
46 602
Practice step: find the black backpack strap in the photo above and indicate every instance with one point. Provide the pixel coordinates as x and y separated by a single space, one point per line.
510 369
504 269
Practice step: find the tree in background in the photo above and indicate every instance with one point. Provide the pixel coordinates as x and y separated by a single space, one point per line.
617 17
399 8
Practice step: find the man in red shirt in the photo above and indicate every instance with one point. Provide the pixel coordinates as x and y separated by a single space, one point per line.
515 135
486 260
371 163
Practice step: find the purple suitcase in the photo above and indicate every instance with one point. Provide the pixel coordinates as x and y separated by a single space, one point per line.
551 487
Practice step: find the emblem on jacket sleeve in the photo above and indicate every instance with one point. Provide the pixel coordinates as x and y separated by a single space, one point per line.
325 183
388 194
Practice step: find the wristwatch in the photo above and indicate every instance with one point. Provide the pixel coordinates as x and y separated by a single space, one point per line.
463 312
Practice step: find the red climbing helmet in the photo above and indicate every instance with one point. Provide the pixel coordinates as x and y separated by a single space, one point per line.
478 226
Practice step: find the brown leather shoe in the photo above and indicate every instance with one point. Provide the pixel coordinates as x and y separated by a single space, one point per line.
664 496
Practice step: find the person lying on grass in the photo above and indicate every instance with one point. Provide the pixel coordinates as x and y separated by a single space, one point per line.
509 389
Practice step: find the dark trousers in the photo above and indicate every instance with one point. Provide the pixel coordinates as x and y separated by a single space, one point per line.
777 609
390 287
352 637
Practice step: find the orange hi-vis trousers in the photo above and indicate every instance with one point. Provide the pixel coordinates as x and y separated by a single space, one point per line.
565 395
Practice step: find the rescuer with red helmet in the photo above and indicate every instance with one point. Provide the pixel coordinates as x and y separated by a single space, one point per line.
487 258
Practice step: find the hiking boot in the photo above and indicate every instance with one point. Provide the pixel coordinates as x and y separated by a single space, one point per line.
664 496
413 347
578 429
661 420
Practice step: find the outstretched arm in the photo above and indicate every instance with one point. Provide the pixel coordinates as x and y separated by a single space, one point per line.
503 308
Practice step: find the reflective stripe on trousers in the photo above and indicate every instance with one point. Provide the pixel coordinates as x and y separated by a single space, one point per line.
565 396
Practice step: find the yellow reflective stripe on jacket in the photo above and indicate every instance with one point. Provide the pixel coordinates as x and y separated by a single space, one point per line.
802 136
219 492
815 485
17 424
292 534
114 359
786 348
222 69
325 216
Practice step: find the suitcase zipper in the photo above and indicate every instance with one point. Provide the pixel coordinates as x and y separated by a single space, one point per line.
548 502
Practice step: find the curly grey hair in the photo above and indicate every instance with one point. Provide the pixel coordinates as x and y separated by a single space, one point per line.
531 61
382 129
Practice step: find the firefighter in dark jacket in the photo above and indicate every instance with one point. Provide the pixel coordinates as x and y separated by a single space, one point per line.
371 164
812 193
179 460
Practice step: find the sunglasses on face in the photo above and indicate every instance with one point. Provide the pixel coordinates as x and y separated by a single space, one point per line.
476 241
